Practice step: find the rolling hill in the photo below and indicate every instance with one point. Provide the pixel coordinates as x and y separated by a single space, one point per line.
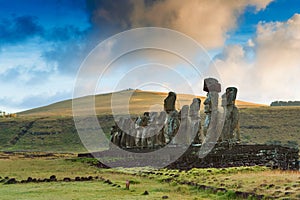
51 128
139 102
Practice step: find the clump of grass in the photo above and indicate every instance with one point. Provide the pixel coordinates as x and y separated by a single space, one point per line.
183 189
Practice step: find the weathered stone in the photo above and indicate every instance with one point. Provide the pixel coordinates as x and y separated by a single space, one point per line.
11 181
231 130
169 102
211 85
67 179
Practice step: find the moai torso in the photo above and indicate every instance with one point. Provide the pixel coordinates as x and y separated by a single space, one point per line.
184 133
172 122
232 115
212 87
160 123
195 120
195 108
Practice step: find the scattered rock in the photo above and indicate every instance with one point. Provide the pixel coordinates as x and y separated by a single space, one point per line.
108 182
271 186
288 193
11 181
263 185
288 188
164 197
146 193
221 190
53 178
67 179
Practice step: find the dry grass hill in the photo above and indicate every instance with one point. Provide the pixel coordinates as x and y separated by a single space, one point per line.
139 102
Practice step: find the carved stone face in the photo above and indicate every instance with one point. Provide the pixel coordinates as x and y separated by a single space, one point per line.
207 104
231 93
169 102
184 111
211 85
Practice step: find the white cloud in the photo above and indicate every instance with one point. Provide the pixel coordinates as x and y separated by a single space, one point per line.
207 21
274 73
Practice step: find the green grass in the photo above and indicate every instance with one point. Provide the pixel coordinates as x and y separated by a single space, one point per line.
258 180
160 182
96 189
270 124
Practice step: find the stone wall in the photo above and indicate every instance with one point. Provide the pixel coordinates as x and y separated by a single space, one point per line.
274 156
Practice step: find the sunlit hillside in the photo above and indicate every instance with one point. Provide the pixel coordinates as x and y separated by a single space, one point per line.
139 102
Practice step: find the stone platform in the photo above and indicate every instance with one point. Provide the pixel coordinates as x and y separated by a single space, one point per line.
221 156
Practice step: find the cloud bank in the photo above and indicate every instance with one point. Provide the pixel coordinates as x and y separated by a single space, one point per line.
206 21
268 67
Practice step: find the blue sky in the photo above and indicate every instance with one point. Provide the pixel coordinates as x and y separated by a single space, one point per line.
43 43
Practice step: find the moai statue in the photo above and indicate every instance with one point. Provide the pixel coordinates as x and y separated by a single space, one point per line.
169 102
231 123
125 130
144 122
113 133
153 130
139 132
212 87
118 136
185 124
160 122
171 126
172 123
132 134
195 120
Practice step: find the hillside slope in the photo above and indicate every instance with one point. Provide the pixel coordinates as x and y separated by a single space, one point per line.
140 101
51 128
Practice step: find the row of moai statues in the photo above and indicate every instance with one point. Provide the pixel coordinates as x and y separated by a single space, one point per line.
156 129
231 131
142 132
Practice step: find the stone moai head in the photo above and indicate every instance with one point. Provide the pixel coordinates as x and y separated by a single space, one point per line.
184 112
195 107
146 114
162 117
211 85
231 93
169 102
196 102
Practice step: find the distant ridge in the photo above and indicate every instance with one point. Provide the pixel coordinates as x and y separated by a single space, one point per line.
140 101
285 103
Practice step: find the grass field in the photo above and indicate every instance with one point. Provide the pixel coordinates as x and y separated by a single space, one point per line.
22 168
158 183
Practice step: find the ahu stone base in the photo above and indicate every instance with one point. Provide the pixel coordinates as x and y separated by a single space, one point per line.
221 156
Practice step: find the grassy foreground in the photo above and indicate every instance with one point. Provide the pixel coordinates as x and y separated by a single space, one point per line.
22 168
161 183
